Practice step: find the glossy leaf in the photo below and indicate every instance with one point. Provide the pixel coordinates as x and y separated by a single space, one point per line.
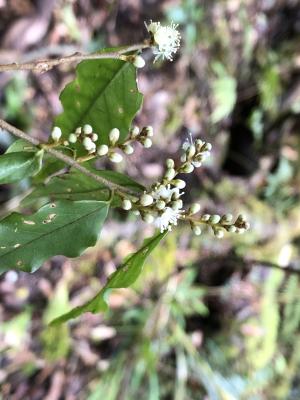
19 165
104 95
61 228
76 186
124 277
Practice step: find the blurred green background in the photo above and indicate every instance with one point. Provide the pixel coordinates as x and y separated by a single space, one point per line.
208 319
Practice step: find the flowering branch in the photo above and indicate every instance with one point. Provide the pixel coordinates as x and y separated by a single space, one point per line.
41 66
66 159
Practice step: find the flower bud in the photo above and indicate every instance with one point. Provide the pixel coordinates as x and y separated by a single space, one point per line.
88 143
115 157
207 147
148 218
72 138
177 204
205 217
147 143
170 174
231 229
92 149
87 129
194 209
214 219
148 131
138 62
136 212
197 164
56 133
102 150
183 158
78 130
94 137
179 183
247 226
219 233
146 200
66 143
191 151
134 132
198 144
227 218
197 230
188 168
114 135
126 204
128 149
170 163
160 205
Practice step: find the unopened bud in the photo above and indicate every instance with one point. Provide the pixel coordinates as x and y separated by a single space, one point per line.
188 168
88 143
147 143
128 149
177 204
87 129
56 133
115 157
215 219
231 229
194 209
197 230
227 218
179 183
170 174
78 130
191 151
72 138
148 131
126 204
114 135
205 217
102 150
94 137
207 147
138 62
219 233
134 132
170 163
160 205
148 218
146 200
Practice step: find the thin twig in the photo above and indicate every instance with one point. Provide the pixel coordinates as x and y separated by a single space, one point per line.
41 66
66 159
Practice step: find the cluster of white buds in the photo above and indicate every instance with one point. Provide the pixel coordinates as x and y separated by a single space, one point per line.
164 39
88 138
143 136
194 154
162 203
219 224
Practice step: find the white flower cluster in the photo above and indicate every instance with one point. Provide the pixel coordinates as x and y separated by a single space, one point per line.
162 204
165 40
88 139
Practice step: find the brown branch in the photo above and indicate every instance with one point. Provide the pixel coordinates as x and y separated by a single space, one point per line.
66 159
41 66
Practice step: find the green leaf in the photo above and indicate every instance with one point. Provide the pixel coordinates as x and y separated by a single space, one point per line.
20 145
76 186
104 95
62 228
19 165
125 276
